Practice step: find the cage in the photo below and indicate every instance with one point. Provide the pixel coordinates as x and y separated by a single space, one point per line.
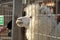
44 19
6 8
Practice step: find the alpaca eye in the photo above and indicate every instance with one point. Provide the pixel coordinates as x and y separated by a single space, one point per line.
30 16
23 13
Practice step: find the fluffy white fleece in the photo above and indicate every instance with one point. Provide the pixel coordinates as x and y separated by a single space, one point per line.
42 21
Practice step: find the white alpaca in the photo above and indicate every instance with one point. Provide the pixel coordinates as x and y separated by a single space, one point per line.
30 12
41 22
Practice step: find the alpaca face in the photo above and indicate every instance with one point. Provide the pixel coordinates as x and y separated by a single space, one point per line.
23 21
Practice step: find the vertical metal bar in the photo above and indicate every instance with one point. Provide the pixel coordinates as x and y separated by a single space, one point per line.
12 20
56 16
17 12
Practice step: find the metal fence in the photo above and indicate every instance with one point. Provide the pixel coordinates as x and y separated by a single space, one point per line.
44 25
6 8
44 15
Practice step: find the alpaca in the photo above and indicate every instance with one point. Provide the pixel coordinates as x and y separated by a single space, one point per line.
28 22
38 20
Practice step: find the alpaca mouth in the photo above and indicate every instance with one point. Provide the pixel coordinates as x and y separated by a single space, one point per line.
20 22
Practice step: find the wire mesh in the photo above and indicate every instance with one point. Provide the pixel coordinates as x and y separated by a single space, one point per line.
6 8
44 27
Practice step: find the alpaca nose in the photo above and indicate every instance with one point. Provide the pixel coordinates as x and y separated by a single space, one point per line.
19 21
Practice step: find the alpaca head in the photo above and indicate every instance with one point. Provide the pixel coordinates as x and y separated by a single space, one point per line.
31 11
23 21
